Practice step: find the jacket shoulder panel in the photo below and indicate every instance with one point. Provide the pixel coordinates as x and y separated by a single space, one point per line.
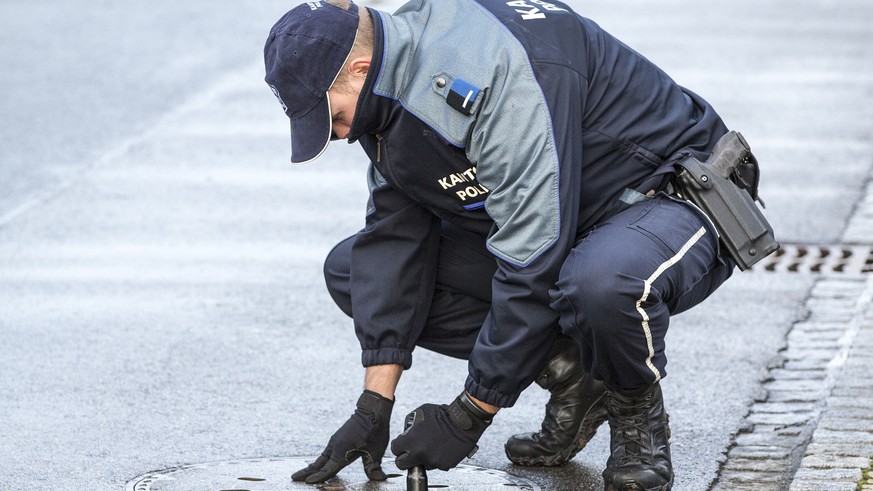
508 136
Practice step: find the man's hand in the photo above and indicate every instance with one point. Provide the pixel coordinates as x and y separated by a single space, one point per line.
441 436
364 435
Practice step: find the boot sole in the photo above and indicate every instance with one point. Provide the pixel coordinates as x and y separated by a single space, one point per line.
583 436
666 487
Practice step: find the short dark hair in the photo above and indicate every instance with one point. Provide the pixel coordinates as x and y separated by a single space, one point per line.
363 41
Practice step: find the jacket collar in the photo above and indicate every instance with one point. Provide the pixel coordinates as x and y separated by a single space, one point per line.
373 112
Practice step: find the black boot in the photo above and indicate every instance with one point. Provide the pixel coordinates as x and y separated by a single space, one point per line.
575 409
639 457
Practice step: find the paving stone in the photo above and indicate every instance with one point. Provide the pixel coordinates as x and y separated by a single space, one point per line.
793 431
821 485
801 364
847 391
831 334
859 365
854 384
855 380
779 430
813 327
747 464
795 385
766 438
858 371
817 330
817 373
829 461
848 401
863 343
760 452
828 304
785 407
825 337
735 486
768 476
807 341
780 419
847 448
820 301
794 396
827 436
850 412
842 315
863 340
748 485
846 424
835 473
793 353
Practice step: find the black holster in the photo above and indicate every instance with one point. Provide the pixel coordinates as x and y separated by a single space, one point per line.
725 187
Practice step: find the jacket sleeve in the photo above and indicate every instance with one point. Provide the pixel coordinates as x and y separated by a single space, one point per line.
393 268
535 187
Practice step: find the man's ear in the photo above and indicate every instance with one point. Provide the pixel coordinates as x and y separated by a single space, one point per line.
359 66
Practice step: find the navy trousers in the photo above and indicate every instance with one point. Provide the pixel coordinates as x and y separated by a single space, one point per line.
615 294
462 294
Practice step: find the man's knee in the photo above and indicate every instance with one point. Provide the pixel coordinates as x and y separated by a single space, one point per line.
337 268
598 290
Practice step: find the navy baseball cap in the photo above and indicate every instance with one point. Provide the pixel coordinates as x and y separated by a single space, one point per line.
303 56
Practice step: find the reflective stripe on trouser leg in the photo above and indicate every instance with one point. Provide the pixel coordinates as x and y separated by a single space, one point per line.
626 277
647 287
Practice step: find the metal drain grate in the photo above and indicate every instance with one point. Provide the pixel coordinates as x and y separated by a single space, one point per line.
810 258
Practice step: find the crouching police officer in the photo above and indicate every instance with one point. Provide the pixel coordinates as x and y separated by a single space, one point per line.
520 216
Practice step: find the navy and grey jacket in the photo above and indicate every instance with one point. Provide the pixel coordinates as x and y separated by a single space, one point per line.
519 120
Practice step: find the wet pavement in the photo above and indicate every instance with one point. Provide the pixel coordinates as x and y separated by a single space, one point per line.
275 474
161 301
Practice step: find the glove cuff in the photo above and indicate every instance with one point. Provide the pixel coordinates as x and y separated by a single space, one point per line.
468 416
474 408
374 402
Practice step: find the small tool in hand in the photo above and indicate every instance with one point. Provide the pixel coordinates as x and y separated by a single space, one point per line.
416 477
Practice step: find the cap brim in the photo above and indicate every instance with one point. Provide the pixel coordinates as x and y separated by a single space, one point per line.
311 133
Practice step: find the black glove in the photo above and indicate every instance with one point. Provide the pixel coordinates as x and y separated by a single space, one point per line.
364 435
441 436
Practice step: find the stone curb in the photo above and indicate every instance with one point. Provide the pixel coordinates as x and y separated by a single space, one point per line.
841 448
842 443
782 422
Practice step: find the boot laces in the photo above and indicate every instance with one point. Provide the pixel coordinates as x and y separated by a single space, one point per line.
634 434
634 445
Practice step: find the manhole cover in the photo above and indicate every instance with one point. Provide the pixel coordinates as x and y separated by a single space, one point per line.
275 475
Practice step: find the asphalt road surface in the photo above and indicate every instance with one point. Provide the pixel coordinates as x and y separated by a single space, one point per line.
161 300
